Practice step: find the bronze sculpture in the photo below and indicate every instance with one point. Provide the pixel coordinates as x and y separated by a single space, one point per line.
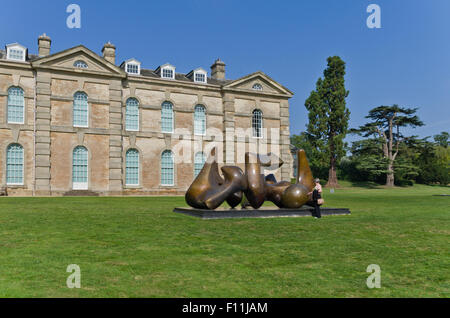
209 190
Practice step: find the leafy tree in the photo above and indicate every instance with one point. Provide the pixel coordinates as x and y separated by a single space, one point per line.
318 168
434 162
328 117
442 139
384 126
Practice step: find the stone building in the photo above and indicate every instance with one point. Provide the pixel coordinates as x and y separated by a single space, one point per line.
76 121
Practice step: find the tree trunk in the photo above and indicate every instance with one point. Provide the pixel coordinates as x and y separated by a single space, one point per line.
390 176
332 177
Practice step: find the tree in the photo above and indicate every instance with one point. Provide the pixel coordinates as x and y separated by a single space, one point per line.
385 125
328 117
442 139
318 168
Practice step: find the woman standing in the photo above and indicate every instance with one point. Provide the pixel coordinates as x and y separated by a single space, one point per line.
317 198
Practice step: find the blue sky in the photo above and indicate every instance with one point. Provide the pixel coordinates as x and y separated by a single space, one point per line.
406 62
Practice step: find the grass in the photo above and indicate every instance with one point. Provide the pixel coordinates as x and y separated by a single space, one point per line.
137 247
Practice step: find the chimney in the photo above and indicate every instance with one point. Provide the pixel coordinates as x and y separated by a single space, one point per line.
44 43
109 52
218 70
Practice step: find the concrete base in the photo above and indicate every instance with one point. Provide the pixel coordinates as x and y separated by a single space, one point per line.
263 212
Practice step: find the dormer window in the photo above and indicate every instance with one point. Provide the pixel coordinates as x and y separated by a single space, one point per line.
257 87
133 67
16 52
80 64
166 71
198 75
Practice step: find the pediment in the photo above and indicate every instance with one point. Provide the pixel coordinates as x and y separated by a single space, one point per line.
269 86
65 60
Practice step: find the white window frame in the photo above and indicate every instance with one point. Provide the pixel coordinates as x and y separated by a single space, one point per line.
168 67
262 124
81 185
87 114
133 62
204 73
18 47
24 107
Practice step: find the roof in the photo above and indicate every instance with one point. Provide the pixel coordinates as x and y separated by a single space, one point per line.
182 77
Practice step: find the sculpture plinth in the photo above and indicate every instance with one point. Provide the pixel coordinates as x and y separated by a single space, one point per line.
263 212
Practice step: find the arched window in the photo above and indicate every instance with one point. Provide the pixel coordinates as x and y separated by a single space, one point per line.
257 123
167 117
199 162
257 87
14 164
167 169
16 105
199 120
132 114
80 110
132 167
80 168
80 64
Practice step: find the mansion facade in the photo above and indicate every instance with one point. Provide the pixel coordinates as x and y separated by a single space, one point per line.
77 121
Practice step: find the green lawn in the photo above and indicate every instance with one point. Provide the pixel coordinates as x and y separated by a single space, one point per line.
137 247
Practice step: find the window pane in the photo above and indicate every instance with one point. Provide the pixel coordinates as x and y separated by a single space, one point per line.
132 167
16 105
257 87
16 54
199 162
80 110
167 168
199 120
132 68
14 164
167 73
257 123
132 114
167 117
80 165
200 77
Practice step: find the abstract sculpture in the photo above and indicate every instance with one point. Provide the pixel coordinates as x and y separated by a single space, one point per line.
209 190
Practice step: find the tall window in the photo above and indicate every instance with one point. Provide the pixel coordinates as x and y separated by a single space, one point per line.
199 162
132 167
167 170
132 114
80 110
14 164
16 105
200 120
167 117
80 168
257 123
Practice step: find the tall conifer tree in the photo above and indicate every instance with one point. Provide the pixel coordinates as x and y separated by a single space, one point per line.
328 116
